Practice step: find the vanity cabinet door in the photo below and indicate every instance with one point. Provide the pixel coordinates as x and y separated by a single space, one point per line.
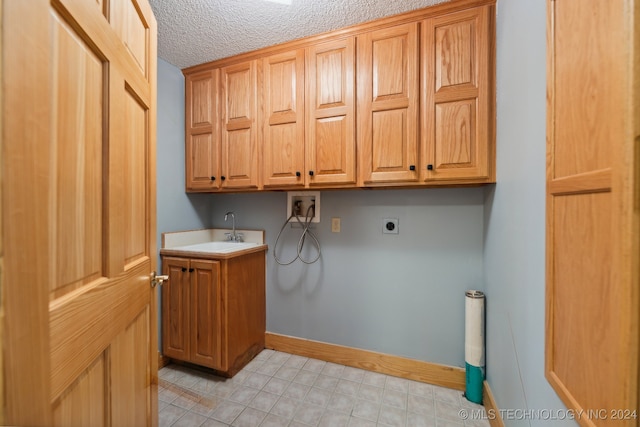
175 308
191 315
205 313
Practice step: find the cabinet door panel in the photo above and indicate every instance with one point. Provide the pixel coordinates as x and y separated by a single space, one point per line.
175 308
202 143
388 105
239 112
331 145
455 139
202 161
456 133
282 87
205 313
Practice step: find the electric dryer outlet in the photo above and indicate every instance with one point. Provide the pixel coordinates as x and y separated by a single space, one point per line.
390 226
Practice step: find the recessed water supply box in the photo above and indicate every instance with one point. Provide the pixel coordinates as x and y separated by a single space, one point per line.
299 202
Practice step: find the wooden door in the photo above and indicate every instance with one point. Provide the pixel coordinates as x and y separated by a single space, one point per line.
202 139
282 90
205 313
331 137
239 126
78 209
388 97
175 308
593 200
457 71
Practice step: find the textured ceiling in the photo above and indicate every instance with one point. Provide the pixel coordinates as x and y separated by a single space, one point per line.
191 32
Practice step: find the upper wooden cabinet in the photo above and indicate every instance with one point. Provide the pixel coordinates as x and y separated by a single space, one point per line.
221 149
331 136
238 86
457 122
282 88
202 148
312 143
413 107
388 82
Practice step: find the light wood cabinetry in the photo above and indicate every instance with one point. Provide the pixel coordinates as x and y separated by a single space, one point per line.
331 117
312 143
593 209
388 84
202 149
413 105
221 129
239 126
457 122
282 89
191 311
213 310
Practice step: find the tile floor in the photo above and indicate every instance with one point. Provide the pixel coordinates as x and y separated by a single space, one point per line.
279 389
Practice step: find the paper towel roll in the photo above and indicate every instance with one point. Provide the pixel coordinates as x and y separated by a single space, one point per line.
474 345
474 328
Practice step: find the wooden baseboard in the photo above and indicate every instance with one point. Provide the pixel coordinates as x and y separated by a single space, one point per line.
162 361
490 406
441 375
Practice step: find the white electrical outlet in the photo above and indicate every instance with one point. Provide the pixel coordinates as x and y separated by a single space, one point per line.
300 201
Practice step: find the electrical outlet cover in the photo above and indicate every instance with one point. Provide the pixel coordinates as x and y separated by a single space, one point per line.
390 226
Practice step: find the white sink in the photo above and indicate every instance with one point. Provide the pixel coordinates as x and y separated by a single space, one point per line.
216 247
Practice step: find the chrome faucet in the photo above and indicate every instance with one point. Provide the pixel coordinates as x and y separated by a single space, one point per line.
234 236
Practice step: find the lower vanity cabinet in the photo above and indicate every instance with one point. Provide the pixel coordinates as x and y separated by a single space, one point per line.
213 309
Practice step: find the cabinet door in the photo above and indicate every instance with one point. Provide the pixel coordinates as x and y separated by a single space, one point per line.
175 308
202 149
239 128
331 145
282 88
388 105
456 131
593 202
204 313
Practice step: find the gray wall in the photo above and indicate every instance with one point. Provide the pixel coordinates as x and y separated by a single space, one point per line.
399 294
514 251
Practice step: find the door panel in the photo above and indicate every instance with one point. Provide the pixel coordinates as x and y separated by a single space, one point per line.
130 25
77 146
593 226
135 177
83 402
129 370
86 354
